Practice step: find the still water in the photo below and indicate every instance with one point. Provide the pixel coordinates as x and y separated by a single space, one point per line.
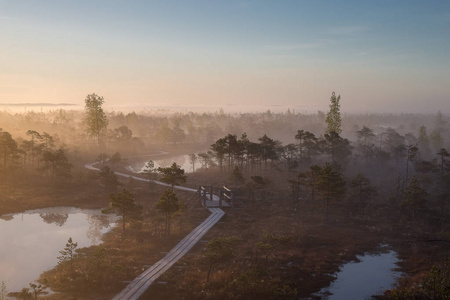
31 241
373 274
182 160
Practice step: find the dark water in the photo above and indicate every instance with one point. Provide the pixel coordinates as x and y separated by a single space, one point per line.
182 160
372 275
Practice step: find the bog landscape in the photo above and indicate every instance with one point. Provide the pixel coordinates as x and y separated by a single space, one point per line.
224 150
309 193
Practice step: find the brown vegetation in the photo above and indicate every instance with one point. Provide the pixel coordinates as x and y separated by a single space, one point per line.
293 232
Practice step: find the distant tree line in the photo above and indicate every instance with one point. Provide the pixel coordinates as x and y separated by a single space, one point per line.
39 153
415 168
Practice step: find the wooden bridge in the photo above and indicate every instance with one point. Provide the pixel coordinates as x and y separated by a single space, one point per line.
208 200
206 197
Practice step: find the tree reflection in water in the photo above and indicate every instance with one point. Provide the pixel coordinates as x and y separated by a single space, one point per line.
96 224
7 217
57 218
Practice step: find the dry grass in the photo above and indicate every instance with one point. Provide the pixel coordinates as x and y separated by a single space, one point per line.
305 264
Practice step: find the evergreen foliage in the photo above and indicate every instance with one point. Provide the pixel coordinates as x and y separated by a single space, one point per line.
123 204
415 196
68 254
331 185
219 250
108 178
169 205
95 117
333 119
172 175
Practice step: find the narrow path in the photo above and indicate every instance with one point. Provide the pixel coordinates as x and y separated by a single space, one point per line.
91 166
140 284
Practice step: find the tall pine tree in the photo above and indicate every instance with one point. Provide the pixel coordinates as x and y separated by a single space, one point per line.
95 118
334 115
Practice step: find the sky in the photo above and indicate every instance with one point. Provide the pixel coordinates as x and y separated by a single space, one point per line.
380 56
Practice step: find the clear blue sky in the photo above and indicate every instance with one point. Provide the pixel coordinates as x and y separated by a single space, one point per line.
378 55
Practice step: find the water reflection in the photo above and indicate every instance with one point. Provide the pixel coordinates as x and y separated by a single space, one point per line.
97 224
373 274
6 217
182 160
58 219
31 241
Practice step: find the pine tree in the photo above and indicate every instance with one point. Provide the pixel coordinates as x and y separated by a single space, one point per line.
150 170
169 205
220 250
236 176
123 204
3 291
172 175
415 196
334 115
68 254
331 185
443 156
96 120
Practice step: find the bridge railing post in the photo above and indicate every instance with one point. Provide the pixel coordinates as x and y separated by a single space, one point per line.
211 193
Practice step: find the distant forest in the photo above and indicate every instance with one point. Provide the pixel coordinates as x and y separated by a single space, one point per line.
36 104
389 173
389 149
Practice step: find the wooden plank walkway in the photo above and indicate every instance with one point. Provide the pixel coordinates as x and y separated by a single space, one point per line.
140 284
209 203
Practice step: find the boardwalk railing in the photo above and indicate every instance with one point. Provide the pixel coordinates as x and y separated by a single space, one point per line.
205 197
227 194
140 284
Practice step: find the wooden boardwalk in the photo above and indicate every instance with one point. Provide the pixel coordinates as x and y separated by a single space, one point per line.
140 284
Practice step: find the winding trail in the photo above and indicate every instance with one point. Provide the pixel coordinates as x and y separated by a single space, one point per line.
140 284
